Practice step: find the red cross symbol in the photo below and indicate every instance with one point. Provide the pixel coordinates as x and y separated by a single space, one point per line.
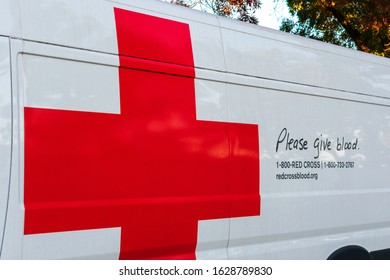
153 170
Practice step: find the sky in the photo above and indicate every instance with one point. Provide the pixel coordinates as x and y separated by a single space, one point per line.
271 13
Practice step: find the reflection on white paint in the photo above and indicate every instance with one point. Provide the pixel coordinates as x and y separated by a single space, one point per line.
82 244
69 85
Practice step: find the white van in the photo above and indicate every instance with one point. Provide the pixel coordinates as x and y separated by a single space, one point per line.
141 130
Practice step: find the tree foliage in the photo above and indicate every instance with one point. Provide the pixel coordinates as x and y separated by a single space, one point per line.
243 10
363 24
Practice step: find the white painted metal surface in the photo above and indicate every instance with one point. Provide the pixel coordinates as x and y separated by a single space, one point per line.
69 84
84 24
14 228
269 54
337 100
99 244
9 18
5 131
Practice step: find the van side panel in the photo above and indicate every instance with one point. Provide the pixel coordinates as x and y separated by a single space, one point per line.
137 126
153 170
86 24
9 18
5 131
277 56
314 200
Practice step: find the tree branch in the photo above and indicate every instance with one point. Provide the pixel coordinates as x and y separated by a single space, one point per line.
354 33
